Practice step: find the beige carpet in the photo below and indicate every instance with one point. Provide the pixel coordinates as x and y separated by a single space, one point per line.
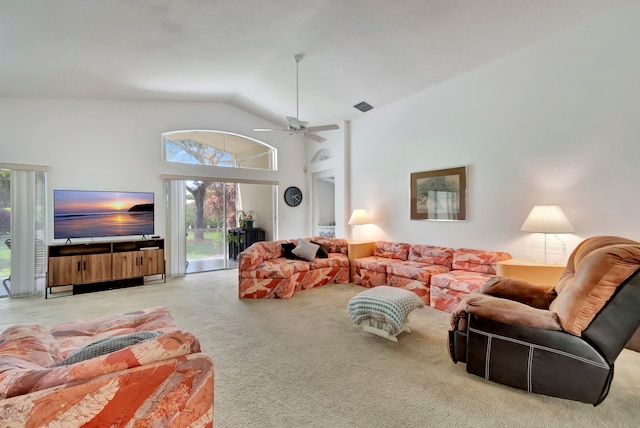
301 363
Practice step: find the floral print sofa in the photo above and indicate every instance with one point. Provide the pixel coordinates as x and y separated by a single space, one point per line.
105 372
440 276
264 272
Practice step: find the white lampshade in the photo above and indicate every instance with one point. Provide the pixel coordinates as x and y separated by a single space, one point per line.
359 216
547 219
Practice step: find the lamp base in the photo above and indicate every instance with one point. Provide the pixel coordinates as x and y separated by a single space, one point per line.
546 248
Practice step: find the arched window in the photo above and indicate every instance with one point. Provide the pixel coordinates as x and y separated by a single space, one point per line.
217 148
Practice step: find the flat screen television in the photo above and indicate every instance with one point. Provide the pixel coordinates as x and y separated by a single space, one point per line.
94 214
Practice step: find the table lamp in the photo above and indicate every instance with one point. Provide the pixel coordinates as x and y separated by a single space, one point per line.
359 218
548 219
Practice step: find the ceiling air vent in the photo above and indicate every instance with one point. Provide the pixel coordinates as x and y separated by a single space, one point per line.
363 106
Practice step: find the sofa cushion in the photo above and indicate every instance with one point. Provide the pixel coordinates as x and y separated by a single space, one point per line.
373 263
415 270
276 268
32 343
334 260
335 245
107 346
306 250
391 250
460 280
477 260
431 255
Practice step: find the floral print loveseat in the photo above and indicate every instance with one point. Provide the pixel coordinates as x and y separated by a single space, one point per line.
152 374
264 271
440 276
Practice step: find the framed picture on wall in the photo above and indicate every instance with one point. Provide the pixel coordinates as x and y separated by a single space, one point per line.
439 195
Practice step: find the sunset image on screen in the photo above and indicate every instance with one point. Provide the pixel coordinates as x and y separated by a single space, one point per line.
80 214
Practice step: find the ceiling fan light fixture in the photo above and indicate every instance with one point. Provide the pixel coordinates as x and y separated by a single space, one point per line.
364 106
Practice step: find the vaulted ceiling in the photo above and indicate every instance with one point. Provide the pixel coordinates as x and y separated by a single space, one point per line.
241 51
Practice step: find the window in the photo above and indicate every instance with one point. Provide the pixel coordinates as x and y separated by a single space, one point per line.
221 149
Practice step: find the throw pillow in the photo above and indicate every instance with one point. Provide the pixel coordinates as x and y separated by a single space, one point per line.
107 346
323 251
287 249
306 250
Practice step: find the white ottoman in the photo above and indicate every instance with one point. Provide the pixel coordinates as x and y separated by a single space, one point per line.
384 310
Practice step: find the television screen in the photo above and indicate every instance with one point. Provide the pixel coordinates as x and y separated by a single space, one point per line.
93 214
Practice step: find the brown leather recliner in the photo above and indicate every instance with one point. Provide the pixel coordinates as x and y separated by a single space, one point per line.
557 340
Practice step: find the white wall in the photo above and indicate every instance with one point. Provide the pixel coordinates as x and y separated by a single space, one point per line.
558 123
116 145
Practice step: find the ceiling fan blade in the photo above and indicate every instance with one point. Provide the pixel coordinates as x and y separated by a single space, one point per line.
270 129
315 137
322 128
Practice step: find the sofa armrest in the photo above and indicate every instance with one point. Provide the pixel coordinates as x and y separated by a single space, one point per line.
258 252
536 295
175 392
169 345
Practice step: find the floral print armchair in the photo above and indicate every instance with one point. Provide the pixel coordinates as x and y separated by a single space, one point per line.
163 381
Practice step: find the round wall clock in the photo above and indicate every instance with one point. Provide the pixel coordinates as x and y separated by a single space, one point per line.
293 196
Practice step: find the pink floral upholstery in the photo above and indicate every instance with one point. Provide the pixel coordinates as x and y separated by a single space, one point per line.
372 271
402 265
391 250
264 273
439 275
470 270
414 276
368 278
373 263
444 299
165 381
460 280
478 260
431 255
415 270
418 287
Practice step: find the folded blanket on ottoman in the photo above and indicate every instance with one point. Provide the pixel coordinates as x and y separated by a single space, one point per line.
385 304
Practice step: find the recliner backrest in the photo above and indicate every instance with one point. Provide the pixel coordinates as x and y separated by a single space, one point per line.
594 271
616 323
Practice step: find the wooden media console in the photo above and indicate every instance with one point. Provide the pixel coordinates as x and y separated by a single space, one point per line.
103 265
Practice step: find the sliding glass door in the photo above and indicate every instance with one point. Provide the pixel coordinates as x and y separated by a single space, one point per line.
210 210
5 231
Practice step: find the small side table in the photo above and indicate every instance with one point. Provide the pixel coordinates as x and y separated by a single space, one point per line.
358 250
530 270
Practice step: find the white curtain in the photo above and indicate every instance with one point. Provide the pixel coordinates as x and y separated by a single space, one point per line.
28 232
176 229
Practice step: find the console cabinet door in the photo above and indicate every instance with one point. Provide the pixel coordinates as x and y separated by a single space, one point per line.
126 265
96 268
68 270
151 262
65 270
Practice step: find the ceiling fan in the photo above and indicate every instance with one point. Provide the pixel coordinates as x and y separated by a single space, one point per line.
300 127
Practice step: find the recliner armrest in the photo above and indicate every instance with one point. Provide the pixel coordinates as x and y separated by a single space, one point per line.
509 312
537 295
